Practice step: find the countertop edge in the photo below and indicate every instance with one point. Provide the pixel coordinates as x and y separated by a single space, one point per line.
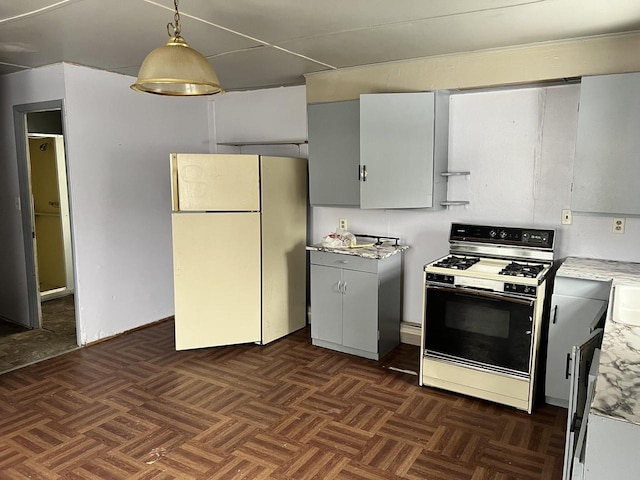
376 253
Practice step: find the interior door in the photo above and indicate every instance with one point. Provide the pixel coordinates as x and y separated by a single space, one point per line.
217 279
47 213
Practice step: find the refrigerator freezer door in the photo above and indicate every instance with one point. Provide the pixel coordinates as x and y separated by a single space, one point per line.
215 182
216 258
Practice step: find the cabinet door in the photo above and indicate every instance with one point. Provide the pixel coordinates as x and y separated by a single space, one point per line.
396 148
571 318
326 303
606 167
334 153
581 357
360 310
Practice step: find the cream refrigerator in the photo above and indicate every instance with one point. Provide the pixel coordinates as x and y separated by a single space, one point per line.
239 237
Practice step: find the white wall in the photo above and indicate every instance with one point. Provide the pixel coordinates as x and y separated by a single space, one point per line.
118 143
518 145
39 85
118 146
277 114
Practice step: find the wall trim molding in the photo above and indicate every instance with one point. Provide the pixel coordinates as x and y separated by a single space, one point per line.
516 65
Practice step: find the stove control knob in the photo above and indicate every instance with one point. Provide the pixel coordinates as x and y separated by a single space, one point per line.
529 290
492 233
503 234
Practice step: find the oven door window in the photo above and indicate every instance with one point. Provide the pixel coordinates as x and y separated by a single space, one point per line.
479 328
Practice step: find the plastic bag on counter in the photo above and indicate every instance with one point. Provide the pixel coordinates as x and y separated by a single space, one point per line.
342 239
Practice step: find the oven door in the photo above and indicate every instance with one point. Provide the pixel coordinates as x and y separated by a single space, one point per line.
488 330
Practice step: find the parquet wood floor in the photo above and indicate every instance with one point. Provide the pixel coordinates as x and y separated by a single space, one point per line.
134 408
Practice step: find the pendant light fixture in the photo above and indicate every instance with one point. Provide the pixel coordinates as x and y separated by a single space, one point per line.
177 69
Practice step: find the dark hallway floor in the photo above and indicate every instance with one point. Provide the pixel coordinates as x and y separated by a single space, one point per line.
20 346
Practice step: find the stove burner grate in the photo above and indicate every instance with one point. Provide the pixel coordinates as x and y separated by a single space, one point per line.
515 269
457 263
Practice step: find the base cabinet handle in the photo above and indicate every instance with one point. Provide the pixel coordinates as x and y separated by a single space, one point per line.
566 371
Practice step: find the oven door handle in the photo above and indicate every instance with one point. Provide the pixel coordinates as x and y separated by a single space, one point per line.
486 294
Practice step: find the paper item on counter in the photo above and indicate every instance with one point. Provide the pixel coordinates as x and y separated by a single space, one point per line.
339 240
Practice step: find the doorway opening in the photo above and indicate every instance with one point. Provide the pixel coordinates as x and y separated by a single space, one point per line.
46 223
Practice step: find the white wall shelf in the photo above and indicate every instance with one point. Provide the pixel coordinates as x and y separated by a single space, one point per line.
265 142
453 203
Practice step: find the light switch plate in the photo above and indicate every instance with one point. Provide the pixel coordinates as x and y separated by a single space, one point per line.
567 217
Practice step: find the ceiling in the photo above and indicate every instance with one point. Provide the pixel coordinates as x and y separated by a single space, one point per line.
267 43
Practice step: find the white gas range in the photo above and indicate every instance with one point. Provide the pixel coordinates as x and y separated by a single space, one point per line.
483 308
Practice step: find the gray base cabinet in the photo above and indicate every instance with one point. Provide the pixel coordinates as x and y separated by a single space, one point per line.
577 307
355 303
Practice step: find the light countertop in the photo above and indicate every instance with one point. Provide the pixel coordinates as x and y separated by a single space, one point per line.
374 252
602 270
617 392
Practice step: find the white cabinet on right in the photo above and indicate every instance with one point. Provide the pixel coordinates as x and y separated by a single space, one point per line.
607 162
577 307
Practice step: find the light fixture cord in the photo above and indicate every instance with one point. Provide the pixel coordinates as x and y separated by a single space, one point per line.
177 28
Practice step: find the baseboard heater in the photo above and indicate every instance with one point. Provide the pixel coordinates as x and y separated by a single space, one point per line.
410 333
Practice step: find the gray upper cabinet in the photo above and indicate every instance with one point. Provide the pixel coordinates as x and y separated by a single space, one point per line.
383 151
334 153
607 163
403 149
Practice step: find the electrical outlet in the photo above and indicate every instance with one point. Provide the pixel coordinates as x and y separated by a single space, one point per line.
567 217
618 225
343 224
